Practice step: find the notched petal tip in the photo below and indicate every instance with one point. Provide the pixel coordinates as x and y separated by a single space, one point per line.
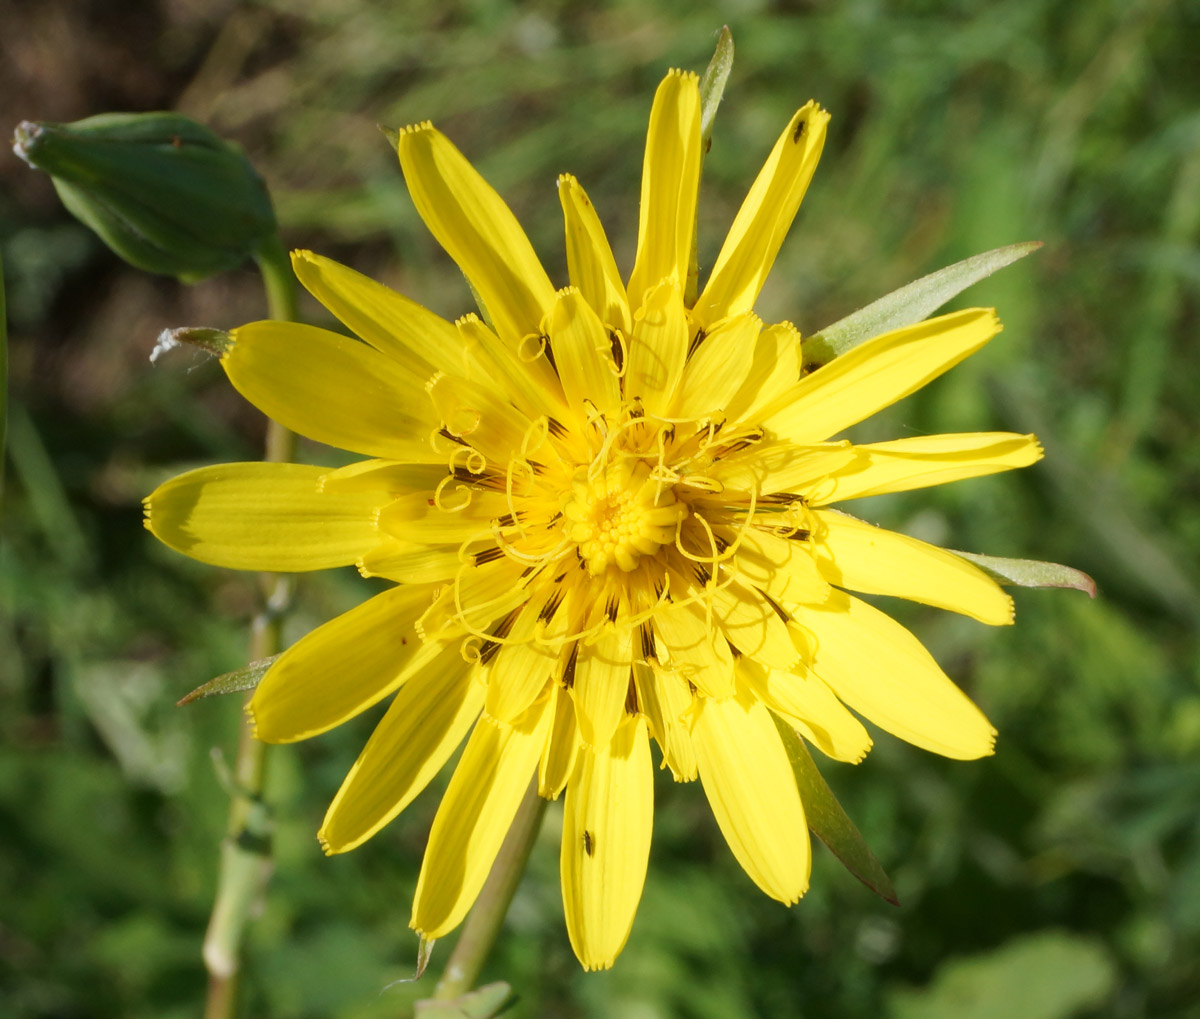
810 117
692 76
423 127
252 720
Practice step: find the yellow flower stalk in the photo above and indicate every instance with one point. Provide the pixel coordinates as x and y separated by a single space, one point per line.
610 519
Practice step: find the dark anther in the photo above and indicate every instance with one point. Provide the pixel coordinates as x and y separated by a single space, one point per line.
631 697
775 605
618 349
568 676
549 352
649 650
551 606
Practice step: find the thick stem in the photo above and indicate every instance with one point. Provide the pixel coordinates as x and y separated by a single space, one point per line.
246 849
486 917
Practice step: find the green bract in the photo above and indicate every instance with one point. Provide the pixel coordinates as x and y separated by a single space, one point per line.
165 193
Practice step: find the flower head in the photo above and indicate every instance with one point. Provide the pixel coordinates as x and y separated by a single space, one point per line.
609 520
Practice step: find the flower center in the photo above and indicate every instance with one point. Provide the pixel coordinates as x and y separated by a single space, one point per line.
620 515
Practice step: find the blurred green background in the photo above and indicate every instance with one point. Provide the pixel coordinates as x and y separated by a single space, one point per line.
1059 878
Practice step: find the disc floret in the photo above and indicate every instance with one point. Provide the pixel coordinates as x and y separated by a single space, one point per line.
620 514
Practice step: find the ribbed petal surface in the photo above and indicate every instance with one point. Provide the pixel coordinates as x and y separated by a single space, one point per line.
607 823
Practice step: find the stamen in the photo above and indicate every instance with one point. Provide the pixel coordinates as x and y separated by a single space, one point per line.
524 350
441 486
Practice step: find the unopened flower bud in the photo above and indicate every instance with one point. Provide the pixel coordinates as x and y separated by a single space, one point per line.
165 193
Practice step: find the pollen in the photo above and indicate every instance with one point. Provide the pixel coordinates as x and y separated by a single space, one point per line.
621 515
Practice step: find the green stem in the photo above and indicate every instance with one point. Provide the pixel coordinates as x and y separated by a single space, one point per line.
487 915
246 849
3 378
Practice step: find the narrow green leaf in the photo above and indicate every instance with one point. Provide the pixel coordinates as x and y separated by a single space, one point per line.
483 1003
910 304
829 822
1032 573
231 682
712 88
712 84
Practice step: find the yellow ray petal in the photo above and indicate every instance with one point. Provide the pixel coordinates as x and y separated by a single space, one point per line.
926 460
480 417
753 625
583 353
516 372
523 665
590 261
658 350
753 795
333 389
475 815
691 646
783 568
478 596
558 757
477 230
770 467
809 706
665 698
602 672
876 374
764 219
408 563
390 322
881 671
852 553
670 178
424 725
384 476
467 514
343 667
263 516
715 372
607 823
774 368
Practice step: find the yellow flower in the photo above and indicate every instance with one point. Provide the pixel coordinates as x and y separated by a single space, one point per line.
608 518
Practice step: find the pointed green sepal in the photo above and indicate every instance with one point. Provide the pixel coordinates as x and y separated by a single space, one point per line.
392 136
214 341
483 1003
164 192
712 85
712 88
231 682
424 954
1032 573
829 822
910 304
